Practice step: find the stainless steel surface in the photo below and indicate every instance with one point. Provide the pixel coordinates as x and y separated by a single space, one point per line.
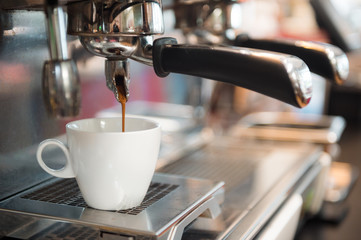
240 163
67 192
300 79
193 18
49 229
209 21
250 224
23 117
120 48
345 215
320 129
117 75
61 88
323 59
217 22
115 18
283 126
117 31
162 220
120 30
19 169
27 4
336 56
61 84
249 195
286 220
38 4
252 192
56 25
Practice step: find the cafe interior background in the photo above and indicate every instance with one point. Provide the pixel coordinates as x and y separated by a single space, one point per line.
196 114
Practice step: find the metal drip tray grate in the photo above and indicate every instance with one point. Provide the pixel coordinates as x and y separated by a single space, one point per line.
66 191
66 231
171 203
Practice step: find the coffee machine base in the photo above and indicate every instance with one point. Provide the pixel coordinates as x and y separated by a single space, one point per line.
253 182
171 203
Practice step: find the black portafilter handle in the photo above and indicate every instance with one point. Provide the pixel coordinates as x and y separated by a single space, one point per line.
323 59
283 77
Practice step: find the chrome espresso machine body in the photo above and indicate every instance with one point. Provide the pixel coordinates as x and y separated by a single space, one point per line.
207 184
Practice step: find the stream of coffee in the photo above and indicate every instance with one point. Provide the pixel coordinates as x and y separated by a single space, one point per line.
121 90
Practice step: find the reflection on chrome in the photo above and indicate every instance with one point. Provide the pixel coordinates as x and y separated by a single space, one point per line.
301 79
337 58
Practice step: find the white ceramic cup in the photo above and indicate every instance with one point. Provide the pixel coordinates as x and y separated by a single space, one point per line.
113 169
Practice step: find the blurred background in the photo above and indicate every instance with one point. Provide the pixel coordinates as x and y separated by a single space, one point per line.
25 121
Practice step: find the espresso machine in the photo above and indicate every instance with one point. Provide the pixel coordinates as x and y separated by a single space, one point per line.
213 186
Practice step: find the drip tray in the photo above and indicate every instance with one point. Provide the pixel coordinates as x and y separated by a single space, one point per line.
171 203
67 192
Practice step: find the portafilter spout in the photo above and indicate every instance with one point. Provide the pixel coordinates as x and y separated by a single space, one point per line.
117 31
61 84
117 78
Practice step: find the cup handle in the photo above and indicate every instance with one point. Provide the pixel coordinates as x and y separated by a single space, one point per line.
67 170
